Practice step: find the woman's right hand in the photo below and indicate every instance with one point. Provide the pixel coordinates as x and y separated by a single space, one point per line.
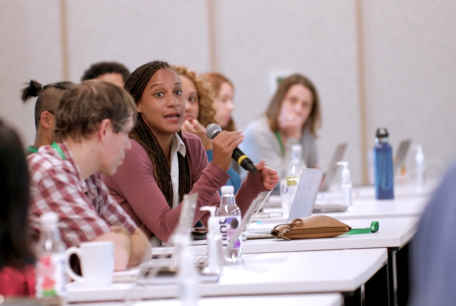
198 129
290 125
223 146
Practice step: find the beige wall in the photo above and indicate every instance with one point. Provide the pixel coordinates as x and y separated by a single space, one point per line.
403 61
29 49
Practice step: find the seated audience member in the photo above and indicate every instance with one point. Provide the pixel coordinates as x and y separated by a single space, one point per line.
164 164
92 125
224 106
45 106
293 117
433 251
223 102
199 113
112 72
17 277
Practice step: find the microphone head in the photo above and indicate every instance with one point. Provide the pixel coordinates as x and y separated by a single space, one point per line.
212 129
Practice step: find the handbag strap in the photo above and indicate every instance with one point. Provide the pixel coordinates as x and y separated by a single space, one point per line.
375 225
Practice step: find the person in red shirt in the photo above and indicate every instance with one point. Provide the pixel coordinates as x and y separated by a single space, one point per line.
17 276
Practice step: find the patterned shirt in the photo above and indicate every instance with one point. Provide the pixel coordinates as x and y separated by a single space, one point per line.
84 207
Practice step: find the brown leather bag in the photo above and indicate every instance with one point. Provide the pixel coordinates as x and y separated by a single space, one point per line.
318 226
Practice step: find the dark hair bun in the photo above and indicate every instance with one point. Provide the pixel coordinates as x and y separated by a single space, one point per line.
33 89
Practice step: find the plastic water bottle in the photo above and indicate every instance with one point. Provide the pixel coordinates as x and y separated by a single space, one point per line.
50 269
188 277
229 216
346 185
294 173
383 166
420 168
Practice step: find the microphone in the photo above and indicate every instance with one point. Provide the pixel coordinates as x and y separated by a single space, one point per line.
213 130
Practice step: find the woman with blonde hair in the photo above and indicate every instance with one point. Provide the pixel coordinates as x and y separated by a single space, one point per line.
293 117
199 113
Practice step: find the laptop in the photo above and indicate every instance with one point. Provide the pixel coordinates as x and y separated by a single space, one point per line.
331 171
302 205
162 269
401 154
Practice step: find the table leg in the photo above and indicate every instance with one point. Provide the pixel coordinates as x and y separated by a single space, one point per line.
355 298
392 277
376 288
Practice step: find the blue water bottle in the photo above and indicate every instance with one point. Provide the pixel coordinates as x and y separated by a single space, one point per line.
383 166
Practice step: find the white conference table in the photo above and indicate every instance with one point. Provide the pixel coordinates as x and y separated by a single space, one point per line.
401 190
368 209
268 273
393 233
324 299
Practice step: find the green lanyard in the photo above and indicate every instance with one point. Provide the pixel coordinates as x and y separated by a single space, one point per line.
372 229
279 139
58 149
32 149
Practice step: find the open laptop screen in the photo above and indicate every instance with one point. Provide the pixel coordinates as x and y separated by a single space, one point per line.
306 193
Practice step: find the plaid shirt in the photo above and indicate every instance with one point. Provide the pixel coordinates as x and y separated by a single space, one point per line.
84 207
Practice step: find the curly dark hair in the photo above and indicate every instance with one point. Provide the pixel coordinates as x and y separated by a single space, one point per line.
97 69
135 85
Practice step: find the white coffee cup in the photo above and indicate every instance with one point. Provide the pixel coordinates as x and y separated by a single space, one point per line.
97 263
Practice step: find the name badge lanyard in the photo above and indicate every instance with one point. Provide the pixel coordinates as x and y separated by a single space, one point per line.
58 149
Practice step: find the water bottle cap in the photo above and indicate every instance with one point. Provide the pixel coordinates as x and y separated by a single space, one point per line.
382 133
296 147
227 189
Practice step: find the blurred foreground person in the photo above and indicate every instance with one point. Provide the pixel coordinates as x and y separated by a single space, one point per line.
45 106
112 72
17 277
433 257
92 125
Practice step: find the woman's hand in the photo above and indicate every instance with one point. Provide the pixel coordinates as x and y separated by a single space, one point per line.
196 128
222 148
269 176
290 125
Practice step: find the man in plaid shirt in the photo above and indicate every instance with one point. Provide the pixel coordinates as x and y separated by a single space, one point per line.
93 121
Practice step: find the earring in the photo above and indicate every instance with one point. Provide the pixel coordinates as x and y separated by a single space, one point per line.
139 110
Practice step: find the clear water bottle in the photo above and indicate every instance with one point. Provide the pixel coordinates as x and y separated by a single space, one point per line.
229 216
50 268
294 173
383 166
188 277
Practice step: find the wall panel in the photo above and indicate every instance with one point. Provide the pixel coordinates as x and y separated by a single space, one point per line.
30 48
410 72
136 32
315 38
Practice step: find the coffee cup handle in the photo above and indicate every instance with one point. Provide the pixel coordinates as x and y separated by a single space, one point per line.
70 272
